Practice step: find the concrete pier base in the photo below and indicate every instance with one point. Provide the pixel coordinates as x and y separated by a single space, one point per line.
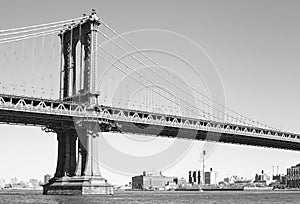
78 186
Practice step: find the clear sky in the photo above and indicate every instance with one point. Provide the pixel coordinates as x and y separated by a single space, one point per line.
254 44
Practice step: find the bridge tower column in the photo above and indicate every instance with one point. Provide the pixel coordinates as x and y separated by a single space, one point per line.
66 161
77 169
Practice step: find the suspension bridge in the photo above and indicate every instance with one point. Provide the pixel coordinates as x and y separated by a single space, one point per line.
50 78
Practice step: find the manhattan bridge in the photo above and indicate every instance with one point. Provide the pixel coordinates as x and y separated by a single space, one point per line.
33 58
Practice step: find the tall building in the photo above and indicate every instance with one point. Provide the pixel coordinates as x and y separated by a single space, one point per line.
293 176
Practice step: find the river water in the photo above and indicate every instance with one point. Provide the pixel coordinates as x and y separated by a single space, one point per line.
9 197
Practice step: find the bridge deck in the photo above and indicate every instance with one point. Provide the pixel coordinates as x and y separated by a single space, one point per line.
53 113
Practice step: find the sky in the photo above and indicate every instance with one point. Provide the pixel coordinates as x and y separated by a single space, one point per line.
254 46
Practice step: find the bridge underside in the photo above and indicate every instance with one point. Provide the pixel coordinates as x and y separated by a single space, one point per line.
184 133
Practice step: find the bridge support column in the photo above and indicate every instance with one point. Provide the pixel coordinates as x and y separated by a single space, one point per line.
82 176
66 161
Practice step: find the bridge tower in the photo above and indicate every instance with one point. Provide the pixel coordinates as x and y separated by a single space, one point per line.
77 170
78 81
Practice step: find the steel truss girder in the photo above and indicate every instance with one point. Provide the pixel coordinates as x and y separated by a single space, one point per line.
45 112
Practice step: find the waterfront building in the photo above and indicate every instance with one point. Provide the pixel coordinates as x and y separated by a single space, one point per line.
181 182
210 177
236 180
293 176
262 178
151 181
280 179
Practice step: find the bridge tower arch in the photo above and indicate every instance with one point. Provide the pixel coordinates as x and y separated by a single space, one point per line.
78 81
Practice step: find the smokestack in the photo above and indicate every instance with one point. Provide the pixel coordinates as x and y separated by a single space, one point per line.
190 177
277 170
194 176
199 177
273 171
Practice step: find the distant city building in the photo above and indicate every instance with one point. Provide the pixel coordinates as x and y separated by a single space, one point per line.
2 183
280 179
227 180
262 178
13 181
47 178
210 177
236 180
19 185
151 181
190 177
207 178
181 182
194 177
34 184
293 176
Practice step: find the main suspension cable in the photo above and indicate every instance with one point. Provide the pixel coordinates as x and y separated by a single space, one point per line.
32 30
29 37
41 25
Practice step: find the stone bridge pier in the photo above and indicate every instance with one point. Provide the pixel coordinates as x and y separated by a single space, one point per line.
77 170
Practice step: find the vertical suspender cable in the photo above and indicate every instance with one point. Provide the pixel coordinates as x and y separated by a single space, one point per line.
80 74
61 65
71 63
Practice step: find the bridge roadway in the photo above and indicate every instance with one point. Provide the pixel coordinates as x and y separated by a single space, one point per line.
53 114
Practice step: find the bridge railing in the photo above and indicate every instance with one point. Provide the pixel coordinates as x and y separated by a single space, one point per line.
41 106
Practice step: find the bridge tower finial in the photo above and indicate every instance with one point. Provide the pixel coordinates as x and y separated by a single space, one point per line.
78 81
